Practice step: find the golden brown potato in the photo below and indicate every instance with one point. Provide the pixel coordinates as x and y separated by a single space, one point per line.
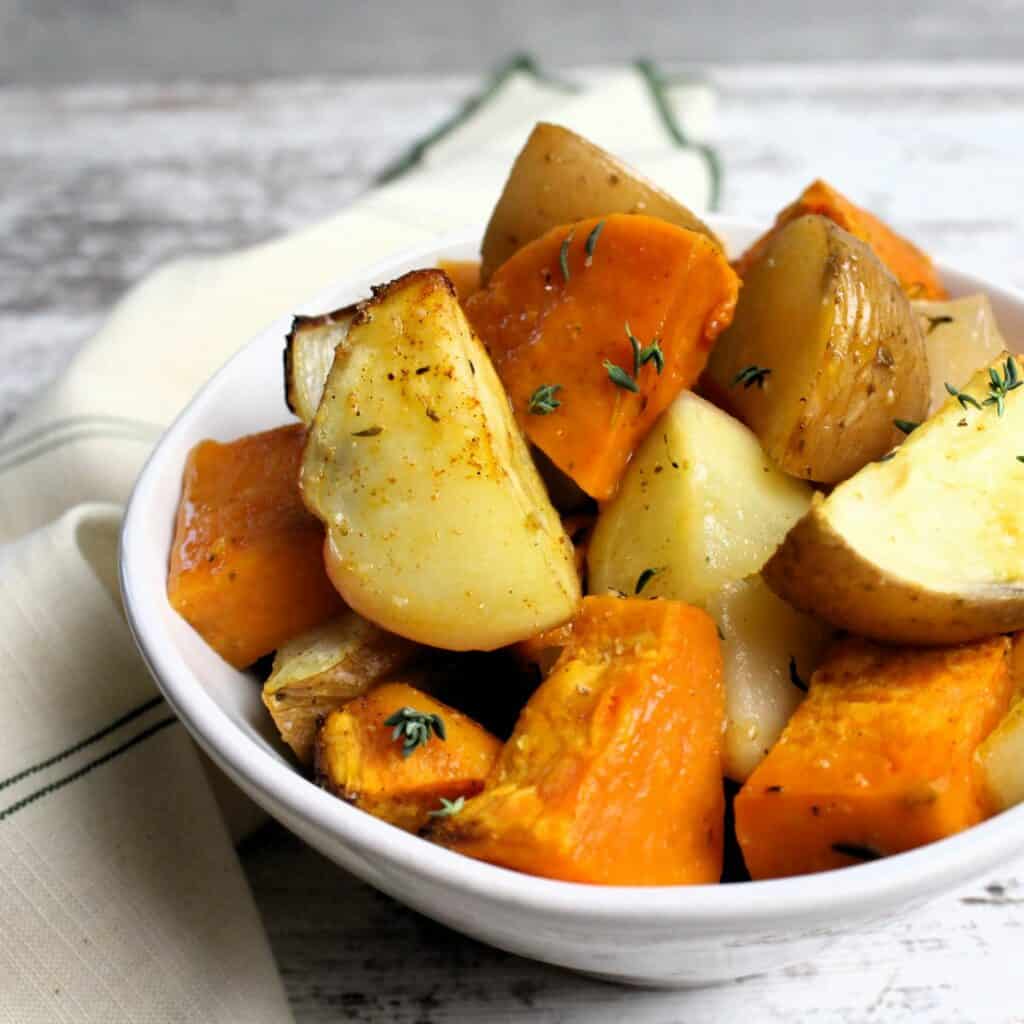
559 178
926 546
823 354
438 526
308 355
325 668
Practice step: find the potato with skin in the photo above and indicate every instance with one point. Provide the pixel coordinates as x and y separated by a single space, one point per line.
960 335
438 526
559 178
323 669
926 547
703 506
308 354
823 354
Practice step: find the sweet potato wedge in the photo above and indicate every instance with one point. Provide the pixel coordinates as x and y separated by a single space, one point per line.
613 772
594 329
911 267
323 669
878 759
247 568
402 779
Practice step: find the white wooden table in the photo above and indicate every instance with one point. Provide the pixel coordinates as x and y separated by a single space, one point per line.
100 184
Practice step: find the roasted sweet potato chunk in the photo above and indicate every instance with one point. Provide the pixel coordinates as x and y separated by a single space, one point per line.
247 568
613 772
402 778
908 264
594 328
878 759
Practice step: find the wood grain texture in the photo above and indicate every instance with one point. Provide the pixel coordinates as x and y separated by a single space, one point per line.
100 184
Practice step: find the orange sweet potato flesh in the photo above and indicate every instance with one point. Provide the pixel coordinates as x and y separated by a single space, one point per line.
247 567
667 283
912 268
464 276
613 772
878 759
358 759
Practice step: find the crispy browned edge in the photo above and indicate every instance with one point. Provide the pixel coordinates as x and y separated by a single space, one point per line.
301 323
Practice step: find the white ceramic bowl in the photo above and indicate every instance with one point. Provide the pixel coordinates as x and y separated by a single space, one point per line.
653 936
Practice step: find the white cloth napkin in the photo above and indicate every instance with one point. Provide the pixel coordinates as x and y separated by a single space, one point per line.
122 898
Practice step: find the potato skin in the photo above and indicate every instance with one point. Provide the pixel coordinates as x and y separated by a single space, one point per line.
816 571
438 526
559 178
845 352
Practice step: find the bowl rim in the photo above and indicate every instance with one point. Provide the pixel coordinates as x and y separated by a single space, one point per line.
897 879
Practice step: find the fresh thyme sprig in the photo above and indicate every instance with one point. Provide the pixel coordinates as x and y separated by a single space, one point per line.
563 256
414 728
906 426
644 354
962 397
1020 458
794 675
751 375
591 243
619 377
543 400
448 808
1001 386
644 578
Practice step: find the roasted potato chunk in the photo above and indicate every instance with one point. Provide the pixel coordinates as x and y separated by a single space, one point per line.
325 668
403 756
559 178
308 354
961 335
438 526
1001 756
925 547
699 512
823 354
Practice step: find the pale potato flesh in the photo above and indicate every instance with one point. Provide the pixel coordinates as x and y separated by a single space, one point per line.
323 669
438 526
762 637
843 351
701 503
1001 756
308 355
926 547
960 335
559 178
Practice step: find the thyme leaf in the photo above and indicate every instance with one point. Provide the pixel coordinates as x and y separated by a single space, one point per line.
543 400
1001 386
962 397
936 321
563 256
644 354
751 375
644 578
906 426
856 851
414 728
619 377
794 675
591 243
448 808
